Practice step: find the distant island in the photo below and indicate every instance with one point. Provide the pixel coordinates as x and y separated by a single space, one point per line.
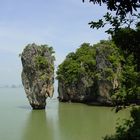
11 86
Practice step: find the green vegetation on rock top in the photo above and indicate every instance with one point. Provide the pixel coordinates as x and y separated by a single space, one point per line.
77 64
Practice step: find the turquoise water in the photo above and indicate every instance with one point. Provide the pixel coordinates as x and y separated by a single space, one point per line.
59 121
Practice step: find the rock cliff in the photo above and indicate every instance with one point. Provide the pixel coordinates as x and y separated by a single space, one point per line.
38 74
91 74
108 69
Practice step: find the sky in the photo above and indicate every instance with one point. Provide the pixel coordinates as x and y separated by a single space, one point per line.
62 24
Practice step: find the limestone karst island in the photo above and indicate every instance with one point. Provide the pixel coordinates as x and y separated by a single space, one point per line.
38 74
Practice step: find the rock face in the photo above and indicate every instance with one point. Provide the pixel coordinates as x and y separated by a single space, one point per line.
97 76
38 74
81 92
109 73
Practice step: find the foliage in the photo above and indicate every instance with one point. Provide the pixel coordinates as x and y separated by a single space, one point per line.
112 57
122 7
44 47
116 22
130 129
41 62
128 40
125 37
76 64
129 89
51 50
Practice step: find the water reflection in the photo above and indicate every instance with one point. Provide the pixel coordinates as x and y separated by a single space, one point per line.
39 126
81 122
63 121
60 121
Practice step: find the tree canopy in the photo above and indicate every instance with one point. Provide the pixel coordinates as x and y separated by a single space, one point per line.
122 7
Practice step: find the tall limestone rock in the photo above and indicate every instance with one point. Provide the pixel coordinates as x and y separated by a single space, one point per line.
38 74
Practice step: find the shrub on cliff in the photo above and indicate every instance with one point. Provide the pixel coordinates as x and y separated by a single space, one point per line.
130 129
76 64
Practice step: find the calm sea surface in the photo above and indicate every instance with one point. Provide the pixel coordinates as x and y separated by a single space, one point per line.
60 121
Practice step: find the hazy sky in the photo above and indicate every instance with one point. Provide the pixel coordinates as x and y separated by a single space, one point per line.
62 24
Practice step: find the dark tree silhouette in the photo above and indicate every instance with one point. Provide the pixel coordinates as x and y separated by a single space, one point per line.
122 7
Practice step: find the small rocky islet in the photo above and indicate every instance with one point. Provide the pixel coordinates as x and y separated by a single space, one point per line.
38 74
